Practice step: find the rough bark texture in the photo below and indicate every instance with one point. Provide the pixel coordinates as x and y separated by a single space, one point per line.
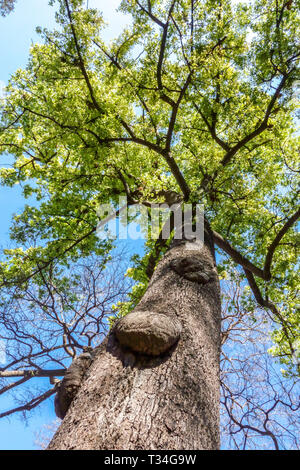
167 400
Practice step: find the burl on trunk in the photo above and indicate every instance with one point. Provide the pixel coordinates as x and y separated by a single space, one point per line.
154 383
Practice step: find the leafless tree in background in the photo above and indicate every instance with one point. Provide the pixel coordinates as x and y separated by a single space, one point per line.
42 329
45 328
259 404
44 435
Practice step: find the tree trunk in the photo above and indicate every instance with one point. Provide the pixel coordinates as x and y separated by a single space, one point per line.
138 396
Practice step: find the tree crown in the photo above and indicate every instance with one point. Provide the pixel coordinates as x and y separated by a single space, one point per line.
197 97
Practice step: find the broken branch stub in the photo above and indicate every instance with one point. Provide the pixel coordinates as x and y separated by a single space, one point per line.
148 332
69 386
193 269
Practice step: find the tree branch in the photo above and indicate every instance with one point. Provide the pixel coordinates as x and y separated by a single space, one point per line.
31 404
13 384
238 257
212 130
149 13
175 109
81 61
163 96
275 243
28 374
263 125
269 305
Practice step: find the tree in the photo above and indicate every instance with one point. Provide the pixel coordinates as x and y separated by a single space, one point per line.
44 327
248 378
259 404
194 99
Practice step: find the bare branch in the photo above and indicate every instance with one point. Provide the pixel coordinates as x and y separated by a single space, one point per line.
31 404
28 374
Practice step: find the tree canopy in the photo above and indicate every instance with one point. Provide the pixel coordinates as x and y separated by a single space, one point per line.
197 97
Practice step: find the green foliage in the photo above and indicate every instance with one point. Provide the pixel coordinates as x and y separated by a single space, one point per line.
191 94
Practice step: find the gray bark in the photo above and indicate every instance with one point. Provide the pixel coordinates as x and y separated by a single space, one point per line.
154 383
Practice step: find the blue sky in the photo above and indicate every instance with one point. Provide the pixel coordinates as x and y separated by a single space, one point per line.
17 33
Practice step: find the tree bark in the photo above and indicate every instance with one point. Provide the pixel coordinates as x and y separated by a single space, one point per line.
138 396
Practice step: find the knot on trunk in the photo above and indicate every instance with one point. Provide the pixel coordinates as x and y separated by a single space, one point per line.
148 332
69 386
193 269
